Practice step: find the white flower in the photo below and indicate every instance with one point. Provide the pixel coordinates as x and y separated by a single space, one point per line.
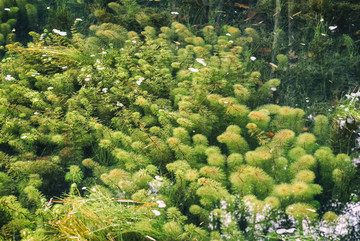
23 137
322 20
283 230
119 104
36 113
47 8
105 90
100 68
50 88
78 19
83 188
156 212
193 70
228 34
161 204
140 80
346 109
201 61
61 33
87 79
230 41
7 9
103 52
332 27
65 67
158 178
93 55
134 41
174 13
252 58
9 77
273 89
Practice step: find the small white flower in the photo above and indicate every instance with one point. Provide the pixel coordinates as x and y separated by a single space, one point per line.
193 70
47 8
119 104
311 210
158 178
228 34
174 13
161 204
93 55
13 30
225 102
100 68
322 20
35 99
9 77
64 67
7 9
156 212
50 88
252 58
61 33
134 41
346 109
36 113
332 28
140 80
78 19
273 89
103 52
230 41
201 61
323 34
89 75
83 188
105 90
44 55
87 79
23 137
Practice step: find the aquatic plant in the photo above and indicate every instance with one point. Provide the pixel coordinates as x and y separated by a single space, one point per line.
16 15
169 135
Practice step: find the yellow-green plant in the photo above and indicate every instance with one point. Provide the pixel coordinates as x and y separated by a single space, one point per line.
167 130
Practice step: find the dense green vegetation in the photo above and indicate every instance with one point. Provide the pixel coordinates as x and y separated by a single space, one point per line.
146 127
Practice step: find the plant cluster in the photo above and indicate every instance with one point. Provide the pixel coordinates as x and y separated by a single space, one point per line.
164 135
20 15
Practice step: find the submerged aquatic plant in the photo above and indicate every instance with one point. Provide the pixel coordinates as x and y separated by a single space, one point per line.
171 132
